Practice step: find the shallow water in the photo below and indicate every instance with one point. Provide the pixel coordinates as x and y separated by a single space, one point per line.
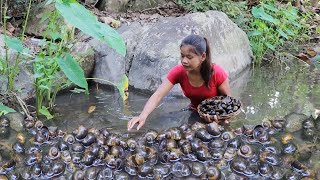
266 93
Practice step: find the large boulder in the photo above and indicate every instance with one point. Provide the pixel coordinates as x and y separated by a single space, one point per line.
154 49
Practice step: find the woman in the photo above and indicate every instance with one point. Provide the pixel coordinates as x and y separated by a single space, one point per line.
198 77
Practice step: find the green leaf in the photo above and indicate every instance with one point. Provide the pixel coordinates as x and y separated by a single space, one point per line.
73 71
44 111
13 43
271 8
270 46
258 12
123 87
80 17
5 109
254 33
283 34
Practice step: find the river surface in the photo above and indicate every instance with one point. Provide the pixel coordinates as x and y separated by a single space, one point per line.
266 93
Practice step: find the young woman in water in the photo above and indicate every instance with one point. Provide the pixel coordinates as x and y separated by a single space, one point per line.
198 77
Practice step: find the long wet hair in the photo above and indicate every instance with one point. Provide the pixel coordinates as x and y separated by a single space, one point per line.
201 45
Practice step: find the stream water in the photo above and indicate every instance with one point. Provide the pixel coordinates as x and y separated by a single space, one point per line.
266 93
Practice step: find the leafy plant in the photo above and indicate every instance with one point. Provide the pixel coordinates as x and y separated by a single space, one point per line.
233 9
271 26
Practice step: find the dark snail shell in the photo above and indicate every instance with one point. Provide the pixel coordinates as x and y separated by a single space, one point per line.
235 143
35 170
239 165
132 144
38 125
180 169
167 144
203 135
279 123
161 169
29 124
89 139
94 148
216 144
309 133
66 156
227 135
188 134
88 158
77 147
197 168
213 173
54 152
217 154
117 151
196 144
113 140
308 123
248 130
80 133
105 173
63 146
78 175
278 173
76 157
265 170
33 158
289 148
91 173
174 133
197 125
104 131
145 170
58 167
133 171
186 147
18 147
135 160
4 121
151 136
230 153
202 154
69 138
270 158
121 176
213 129
245 151
42 135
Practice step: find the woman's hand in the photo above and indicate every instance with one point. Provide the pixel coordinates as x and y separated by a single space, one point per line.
136 120
209 120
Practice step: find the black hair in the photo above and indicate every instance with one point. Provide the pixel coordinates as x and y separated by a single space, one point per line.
200 45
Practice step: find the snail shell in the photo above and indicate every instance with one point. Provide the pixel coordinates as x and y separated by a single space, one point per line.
80 133
54 152
197 168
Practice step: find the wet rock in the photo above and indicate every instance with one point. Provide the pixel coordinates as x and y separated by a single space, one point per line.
294 121
154 49
16 121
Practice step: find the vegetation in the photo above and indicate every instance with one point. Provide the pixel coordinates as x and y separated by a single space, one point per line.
55 53
268 23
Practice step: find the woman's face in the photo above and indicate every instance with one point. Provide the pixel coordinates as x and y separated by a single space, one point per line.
189 59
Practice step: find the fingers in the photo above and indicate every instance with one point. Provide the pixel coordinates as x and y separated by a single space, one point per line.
215 117
141 123
132 122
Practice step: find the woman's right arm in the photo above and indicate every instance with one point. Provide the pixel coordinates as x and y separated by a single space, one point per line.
152 103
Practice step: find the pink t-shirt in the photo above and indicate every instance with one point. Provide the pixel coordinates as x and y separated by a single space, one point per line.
197 94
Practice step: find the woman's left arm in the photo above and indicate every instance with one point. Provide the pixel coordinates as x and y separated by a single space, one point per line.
224 88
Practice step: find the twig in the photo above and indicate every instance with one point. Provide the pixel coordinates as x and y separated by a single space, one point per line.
23 106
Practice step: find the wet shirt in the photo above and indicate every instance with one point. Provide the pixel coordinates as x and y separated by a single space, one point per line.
197 94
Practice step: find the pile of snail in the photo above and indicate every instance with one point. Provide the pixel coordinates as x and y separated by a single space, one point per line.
201 151
220 106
